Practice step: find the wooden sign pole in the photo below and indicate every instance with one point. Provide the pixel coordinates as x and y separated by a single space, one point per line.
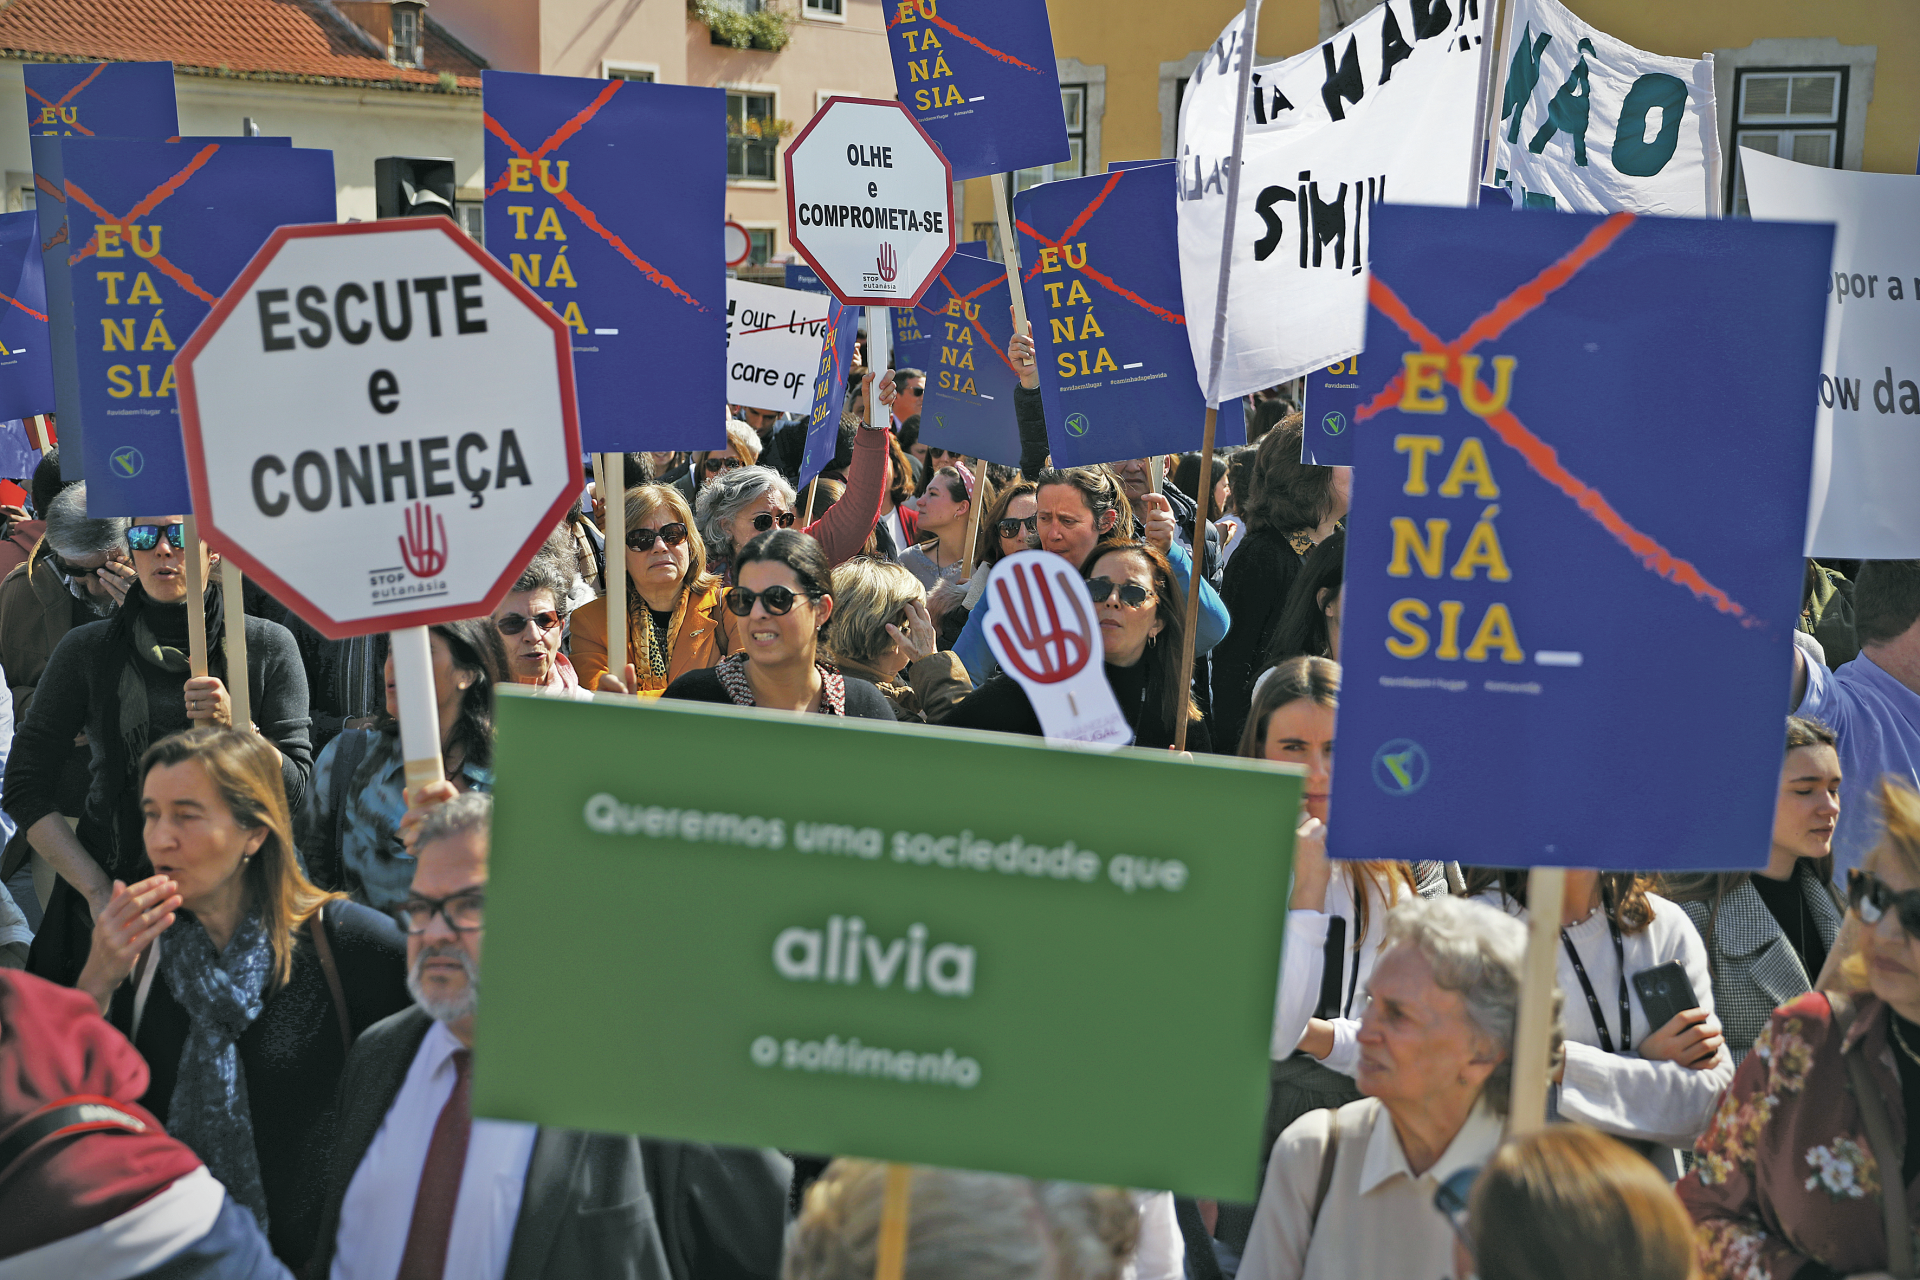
234 617
974 514
1533 1029
806 517
890 1247
196 602
419 708
1009 250
614 487
1198 567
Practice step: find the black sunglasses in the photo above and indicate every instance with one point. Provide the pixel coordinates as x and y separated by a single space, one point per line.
778 600
766 520
714 466
512 624
463 911
1871 897
145 537
1132 594
1010 527
643 539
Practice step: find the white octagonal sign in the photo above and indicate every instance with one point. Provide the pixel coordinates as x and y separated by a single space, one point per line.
379 424
870 202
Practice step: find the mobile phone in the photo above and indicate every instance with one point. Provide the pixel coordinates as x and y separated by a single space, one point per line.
1665 991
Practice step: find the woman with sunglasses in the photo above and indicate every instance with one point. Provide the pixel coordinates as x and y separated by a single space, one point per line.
125 682
1009 526
944 512
781 600
1140 612
1791 1179
743 450
1768 932
673 602
532 620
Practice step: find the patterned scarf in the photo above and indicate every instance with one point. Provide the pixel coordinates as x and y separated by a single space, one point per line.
222 994
732 671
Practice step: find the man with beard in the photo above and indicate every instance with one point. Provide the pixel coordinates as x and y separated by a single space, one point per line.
419 1188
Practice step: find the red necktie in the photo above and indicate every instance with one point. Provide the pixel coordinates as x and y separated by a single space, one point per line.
426 1253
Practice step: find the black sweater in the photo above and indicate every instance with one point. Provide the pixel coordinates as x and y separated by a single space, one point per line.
1254 588
1001 705
864 700
293 1057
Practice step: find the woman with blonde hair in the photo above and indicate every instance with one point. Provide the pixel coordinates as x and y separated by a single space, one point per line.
242 985
882 632
674 610
1792 1178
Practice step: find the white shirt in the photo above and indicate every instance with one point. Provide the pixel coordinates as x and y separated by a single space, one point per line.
378 1207
1303 962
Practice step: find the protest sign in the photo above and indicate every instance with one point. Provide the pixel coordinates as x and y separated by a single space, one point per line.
26 358
1591 124
1386 110
870 202
882 971
773 345
94 99
1333 396
1535 510
914 330
968 407
1045 633
829 389
159 231
980 77
581 207
802 276
1102 279
1869 383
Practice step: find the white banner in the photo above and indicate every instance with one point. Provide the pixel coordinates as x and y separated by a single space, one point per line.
1868 443
1591 124
1386 110
773 345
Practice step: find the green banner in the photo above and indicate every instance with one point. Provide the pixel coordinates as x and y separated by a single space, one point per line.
838 937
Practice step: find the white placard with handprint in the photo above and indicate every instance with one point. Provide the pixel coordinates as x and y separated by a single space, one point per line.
1044 632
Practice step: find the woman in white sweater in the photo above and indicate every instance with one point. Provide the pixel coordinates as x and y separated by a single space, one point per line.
1656 1086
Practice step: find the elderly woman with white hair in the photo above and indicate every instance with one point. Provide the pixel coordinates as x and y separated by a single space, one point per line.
882 632
743 450
1350 1192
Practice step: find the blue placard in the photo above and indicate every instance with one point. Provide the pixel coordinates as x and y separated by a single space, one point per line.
579 207
87 100
980 78
26 357
829 389
1332 398
1580 583
160 229
973 248
802 276
1100 262
913 337
968 407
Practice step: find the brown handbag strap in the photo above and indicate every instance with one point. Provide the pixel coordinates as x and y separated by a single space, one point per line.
324 949
1873 1116
1328 1160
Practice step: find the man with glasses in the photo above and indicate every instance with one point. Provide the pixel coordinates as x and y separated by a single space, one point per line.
418 1187
909 393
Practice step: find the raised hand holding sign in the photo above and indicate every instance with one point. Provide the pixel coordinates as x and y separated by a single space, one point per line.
1040 624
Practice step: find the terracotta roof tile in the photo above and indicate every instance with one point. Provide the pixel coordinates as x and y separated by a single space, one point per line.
289 40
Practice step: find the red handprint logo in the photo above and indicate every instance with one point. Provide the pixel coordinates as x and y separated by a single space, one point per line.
424 549
1058 652
888 264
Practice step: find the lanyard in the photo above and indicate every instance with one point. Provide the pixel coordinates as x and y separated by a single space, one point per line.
1593 1001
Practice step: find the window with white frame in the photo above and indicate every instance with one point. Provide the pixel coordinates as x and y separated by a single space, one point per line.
1795 112
829 9
750 156
406 34
1073 103
760 246
617 71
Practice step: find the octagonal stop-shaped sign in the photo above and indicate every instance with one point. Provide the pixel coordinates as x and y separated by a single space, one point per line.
870 202
379 424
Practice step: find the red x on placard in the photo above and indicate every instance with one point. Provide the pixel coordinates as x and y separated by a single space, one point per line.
567 198
153 200
906 6
1098 277
69 96
953 296
11 301
1541 456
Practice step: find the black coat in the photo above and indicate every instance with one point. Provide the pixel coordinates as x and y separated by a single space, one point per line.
293 1055
597 1206
1254 588
864 701
1001 705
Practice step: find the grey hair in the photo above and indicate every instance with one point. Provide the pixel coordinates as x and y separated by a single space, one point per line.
743 438
75 535
468 811
725 497
1479 953
963 1226
551 572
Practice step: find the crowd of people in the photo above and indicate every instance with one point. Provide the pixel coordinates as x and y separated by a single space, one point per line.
256 954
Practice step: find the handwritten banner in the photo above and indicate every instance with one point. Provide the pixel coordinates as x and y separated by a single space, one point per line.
608 199
980 77
773 345
1514 547
968 407
26 356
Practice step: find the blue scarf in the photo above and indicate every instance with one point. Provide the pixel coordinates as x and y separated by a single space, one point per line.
222 994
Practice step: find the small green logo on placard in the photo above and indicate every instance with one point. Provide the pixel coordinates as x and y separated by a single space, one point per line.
1334 423
1400 767
127 462
1077 424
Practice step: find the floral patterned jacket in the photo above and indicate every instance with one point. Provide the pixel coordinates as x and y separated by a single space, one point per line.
1785 1174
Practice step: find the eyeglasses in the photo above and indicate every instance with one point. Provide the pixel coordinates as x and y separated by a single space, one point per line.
1871 897
1010 527
145 537
1450 1199
512 624
1132 594
778 600
766 520
643 539
463 911
942 453
714 466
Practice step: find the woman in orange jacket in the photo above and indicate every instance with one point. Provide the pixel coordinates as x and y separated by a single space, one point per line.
673 602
